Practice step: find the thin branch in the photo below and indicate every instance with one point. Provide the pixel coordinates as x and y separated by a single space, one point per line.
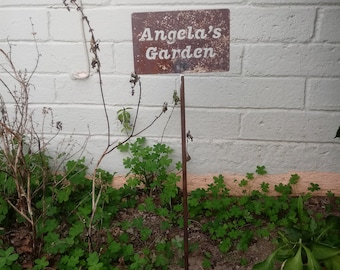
167 122
94 48
20 212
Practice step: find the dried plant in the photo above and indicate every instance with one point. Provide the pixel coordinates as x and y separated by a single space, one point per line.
24 159
22 152
135 80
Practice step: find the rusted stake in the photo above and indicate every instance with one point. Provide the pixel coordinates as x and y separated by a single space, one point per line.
184 177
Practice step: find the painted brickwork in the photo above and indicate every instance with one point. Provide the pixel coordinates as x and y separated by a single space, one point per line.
278 106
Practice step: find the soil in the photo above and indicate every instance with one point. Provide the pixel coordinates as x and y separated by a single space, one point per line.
259 249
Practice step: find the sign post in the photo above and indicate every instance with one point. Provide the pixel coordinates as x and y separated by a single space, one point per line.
190 41
184 177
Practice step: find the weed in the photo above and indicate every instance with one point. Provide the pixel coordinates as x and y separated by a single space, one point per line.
8 258
125 119
232 222
149 166
307 243
313 187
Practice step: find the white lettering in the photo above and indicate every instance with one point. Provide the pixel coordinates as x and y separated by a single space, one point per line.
181 34
175 52
146 35
200 34
160 34
164 54
186 52
217 33
151 53
198 53
209 52
172 37
190 34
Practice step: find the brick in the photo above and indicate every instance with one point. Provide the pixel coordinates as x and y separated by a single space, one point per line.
117 91
272 24
292 60
94 148
225 156
278 157
98 2
41 88
323 94
238 92
159 89
123 58
147 115
58 57
202 123
172 3
7 81
330 25
293 2
213 123
109 24
290 126
29 3
155 90
77 146
112 24
77 119
65 26
42 119
71 91
23 55
16 24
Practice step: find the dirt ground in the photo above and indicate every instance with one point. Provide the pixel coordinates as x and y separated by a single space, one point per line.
258 250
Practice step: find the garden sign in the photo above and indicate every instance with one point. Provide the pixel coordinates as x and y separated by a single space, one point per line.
181 41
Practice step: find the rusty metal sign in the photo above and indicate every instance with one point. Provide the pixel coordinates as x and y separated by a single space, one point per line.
181 41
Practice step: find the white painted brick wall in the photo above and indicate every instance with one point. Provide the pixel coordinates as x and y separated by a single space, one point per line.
278 106
330 30
323 94
267 24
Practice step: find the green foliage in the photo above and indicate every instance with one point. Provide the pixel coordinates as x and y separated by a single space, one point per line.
124 118
63 206
3 209
149 167
8 258
313 187
261 170
226 217
40 264
264 187
206 264
307 244
93 262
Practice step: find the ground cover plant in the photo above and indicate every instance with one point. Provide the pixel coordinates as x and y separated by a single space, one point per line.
311 243
139 226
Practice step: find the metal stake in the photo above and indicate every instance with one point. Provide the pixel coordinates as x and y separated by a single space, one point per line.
184 177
